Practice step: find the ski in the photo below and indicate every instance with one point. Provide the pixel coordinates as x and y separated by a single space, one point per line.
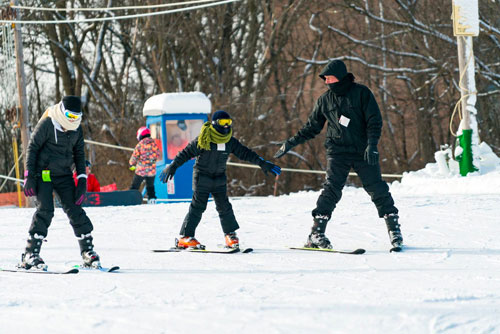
38 271
212 251
242 250
102 269
354 252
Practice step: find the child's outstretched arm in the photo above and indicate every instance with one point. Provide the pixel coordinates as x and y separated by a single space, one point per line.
244 153
189 152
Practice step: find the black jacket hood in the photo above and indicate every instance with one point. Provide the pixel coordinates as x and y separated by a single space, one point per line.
336 68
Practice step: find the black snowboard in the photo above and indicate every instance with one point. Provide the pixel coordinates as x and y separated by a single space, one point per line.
113 198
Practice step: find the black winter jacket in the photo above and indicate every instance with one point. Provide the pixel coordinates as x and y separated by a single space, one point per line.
359 106
55 150
213 163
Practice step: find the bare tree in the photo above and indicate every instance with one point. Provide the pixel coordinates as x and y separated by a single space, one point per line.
407 54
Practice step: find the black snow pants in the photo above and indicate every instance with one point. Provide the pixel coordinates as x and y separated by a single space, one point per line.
64 186
203 186
337 172
150 184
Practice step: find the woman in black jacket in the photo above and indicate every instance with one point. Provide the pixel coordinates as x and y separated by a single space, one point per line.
211 149
57 143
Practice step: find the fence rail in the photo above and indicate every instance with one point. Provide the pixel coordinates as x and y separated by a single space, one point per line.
235 164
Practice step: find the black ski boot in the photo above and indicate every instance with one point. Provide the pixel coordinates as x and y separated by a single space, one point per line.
31 257
89 256
317 238
393 228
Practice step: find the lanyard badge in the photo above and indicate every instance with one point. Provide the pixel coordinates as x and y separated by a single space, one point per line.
46 175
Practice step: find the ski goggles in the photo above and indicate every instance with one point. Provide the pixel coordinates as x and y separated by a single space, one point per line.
71 115
224 121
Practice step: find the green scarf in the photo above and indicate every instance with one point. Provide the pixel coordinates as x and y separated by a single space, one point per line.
208 135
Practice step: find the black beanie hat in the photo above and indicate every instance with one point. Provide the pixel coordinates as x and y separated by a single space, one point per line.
336 68
72 103
220 114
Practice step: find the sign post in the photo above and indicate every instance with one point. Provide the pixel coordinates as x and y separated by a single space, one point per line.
465 26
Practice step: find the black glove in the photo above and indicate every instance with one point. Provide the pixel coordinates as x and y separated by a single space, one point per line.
283 149
29 184
168 173
268 166
81 189
371 153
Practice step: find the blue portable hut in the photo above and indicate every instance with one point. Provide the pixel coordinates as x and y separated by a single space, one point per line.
174 120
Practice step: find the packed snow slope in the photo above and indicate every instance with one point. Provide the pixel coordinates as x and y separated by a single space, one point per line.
446 281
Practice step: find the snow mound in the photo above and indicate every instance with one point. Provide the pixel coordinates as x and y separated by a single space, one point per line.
443 177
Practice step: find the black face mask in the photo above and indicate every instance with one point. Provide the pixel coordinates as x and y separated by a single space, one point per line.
222 130
343 86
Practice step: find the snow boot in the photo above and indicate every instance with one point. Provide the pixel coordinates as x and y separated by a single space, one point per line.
31 257
393 228
232 240
188 242
89 256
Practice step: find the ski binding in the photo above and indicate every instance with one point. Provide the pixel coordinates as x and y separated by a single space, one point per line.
99 268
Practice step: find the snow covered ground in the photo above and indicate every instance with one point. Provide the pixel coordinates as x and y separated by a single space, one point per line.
447 281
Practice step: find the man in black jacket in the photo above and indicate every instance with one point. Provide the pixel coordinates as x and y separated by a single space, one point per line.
211 149
353 130
57 143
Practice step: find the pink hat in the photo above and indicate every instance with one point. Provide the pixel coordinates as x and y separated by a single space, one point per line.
142 132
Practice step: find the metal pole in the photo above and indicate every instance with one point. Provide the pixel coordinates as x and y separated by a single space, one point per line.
276 185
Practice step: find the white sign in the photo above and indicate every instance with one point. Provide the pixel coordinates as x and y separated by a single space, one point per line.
465 18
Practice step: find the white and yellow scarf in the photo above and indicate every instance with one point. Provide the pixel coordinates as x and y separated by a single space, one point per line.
56 112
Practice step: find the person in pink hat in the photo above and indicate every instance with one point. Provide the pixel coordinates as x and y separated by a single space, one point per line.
143 163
